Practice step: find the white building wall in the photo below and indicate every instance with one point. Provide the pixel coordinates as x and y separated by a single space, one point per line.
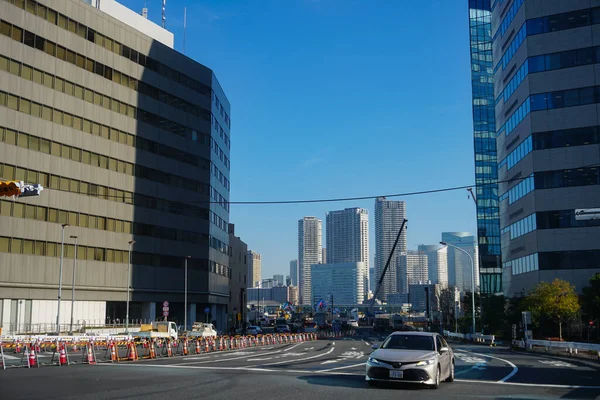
136 21
309 253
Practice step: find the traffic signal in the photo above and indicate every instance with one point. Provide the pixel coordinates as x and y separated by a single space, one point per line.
10 188
19 189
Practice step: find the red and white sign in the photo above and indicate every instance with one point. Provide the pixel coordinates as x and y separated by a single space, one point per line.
165 308
165 304
165 313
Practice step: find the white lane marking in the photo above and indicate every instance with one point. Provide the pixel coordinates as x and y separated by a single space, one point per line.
300 371
556 363
309 348
333 344
507 377
301 359
228 358
293 347
546 385
259 359
337 368
367 343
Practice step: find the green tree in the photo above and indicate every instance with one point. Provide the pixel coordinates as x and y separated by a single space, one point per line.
557 300
591 297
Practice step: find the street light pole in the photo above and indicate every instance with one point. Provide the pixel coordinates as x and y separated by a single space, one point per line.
62 252
185 294
472 280
131 243
73 284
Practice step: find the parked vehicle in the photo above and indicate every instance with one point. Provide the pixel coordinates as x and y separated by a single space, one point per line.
202 329
282 328
254 330
157 329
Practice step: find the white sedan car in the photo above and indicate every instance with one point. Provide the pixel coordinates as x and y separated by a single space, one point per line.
411 357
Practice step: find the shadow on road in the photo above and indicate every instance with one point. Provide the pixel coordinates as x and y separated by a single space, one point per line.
357 382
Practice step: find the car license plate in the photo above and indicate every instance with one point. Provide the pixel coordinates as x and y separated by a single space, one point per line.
397 374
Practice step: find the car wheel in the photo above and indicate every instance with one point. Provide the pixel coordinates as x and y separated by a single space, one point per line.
451 377
436 385
373 383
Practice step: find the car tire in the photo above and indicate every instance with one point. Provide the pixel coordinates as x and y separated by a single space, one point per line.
373 383
451 377
437 378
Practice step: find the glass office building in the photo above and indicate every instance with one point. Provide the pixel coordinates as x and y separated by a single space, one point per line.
484 130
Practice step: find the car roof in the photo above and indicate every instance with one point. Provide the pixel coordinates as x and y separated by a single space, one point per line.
416 333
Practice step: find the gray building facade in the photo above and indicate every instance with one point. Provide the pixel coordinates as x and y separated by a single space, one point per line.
546 66
238 284
131 140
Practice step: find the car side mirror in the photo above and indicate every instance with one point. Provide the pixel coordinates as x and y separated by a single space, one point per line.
444 350
374 346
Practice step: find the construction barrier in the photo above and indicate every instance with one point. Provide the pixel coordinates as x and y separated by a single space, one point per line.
35 352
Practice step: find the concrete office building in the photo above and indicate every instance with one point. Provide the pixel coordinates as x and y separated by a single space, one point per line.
131 140
324 255
348 238
294 272
388 220
345 281
484 139
238 284
293 294
437 263
459 264
257 294
254 268
278 280
412 269
546 60
309 253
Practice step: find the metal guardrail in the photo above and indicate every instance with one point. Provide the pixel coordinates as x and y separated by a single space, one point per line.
477 337
570 347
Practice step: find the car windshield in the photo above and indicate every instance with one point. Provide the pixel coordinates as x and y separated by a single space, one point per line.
408 342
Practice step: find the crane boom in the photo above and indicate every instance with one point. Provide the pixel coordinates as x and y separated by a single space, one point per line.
387 264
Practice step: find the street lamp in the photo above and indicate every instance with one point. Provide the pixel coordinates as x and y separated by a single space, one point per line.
131 243
185 294
62 250
73 283
472 280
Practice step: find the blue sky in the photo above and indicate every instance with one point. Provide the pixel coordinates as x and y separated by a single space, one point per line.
337 98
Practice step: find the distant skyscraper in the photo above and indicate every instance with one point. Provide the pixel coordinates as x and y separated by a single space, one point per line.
412 269
372 282
437 263
309 253
388 220
345 281
278 280
254 268
293 294
459 265
348 237
324 255
294 277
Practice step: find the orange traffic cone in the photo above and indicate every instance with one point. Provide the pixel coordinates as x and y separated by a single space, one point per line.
185 347
152 350
62 358
18 349
113 351
31 359
169 350
90 354
198 346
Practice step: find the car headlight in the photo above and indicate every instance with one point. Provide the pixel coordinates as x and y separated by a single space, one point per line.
373 360
425 362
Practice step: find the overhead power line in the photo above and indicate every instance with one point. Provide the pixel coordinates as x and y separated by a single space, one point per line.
340 199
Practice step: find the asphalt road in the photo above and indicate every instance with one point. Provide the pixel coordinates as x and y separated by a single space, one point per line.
324 369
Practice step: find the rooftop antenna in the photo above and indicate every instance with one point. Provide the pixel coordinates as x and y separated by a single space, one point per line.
184 26
164 17
145 9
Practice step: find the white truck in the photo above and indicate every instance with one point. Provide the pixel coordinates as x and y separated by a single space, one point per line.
157 329
202 329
